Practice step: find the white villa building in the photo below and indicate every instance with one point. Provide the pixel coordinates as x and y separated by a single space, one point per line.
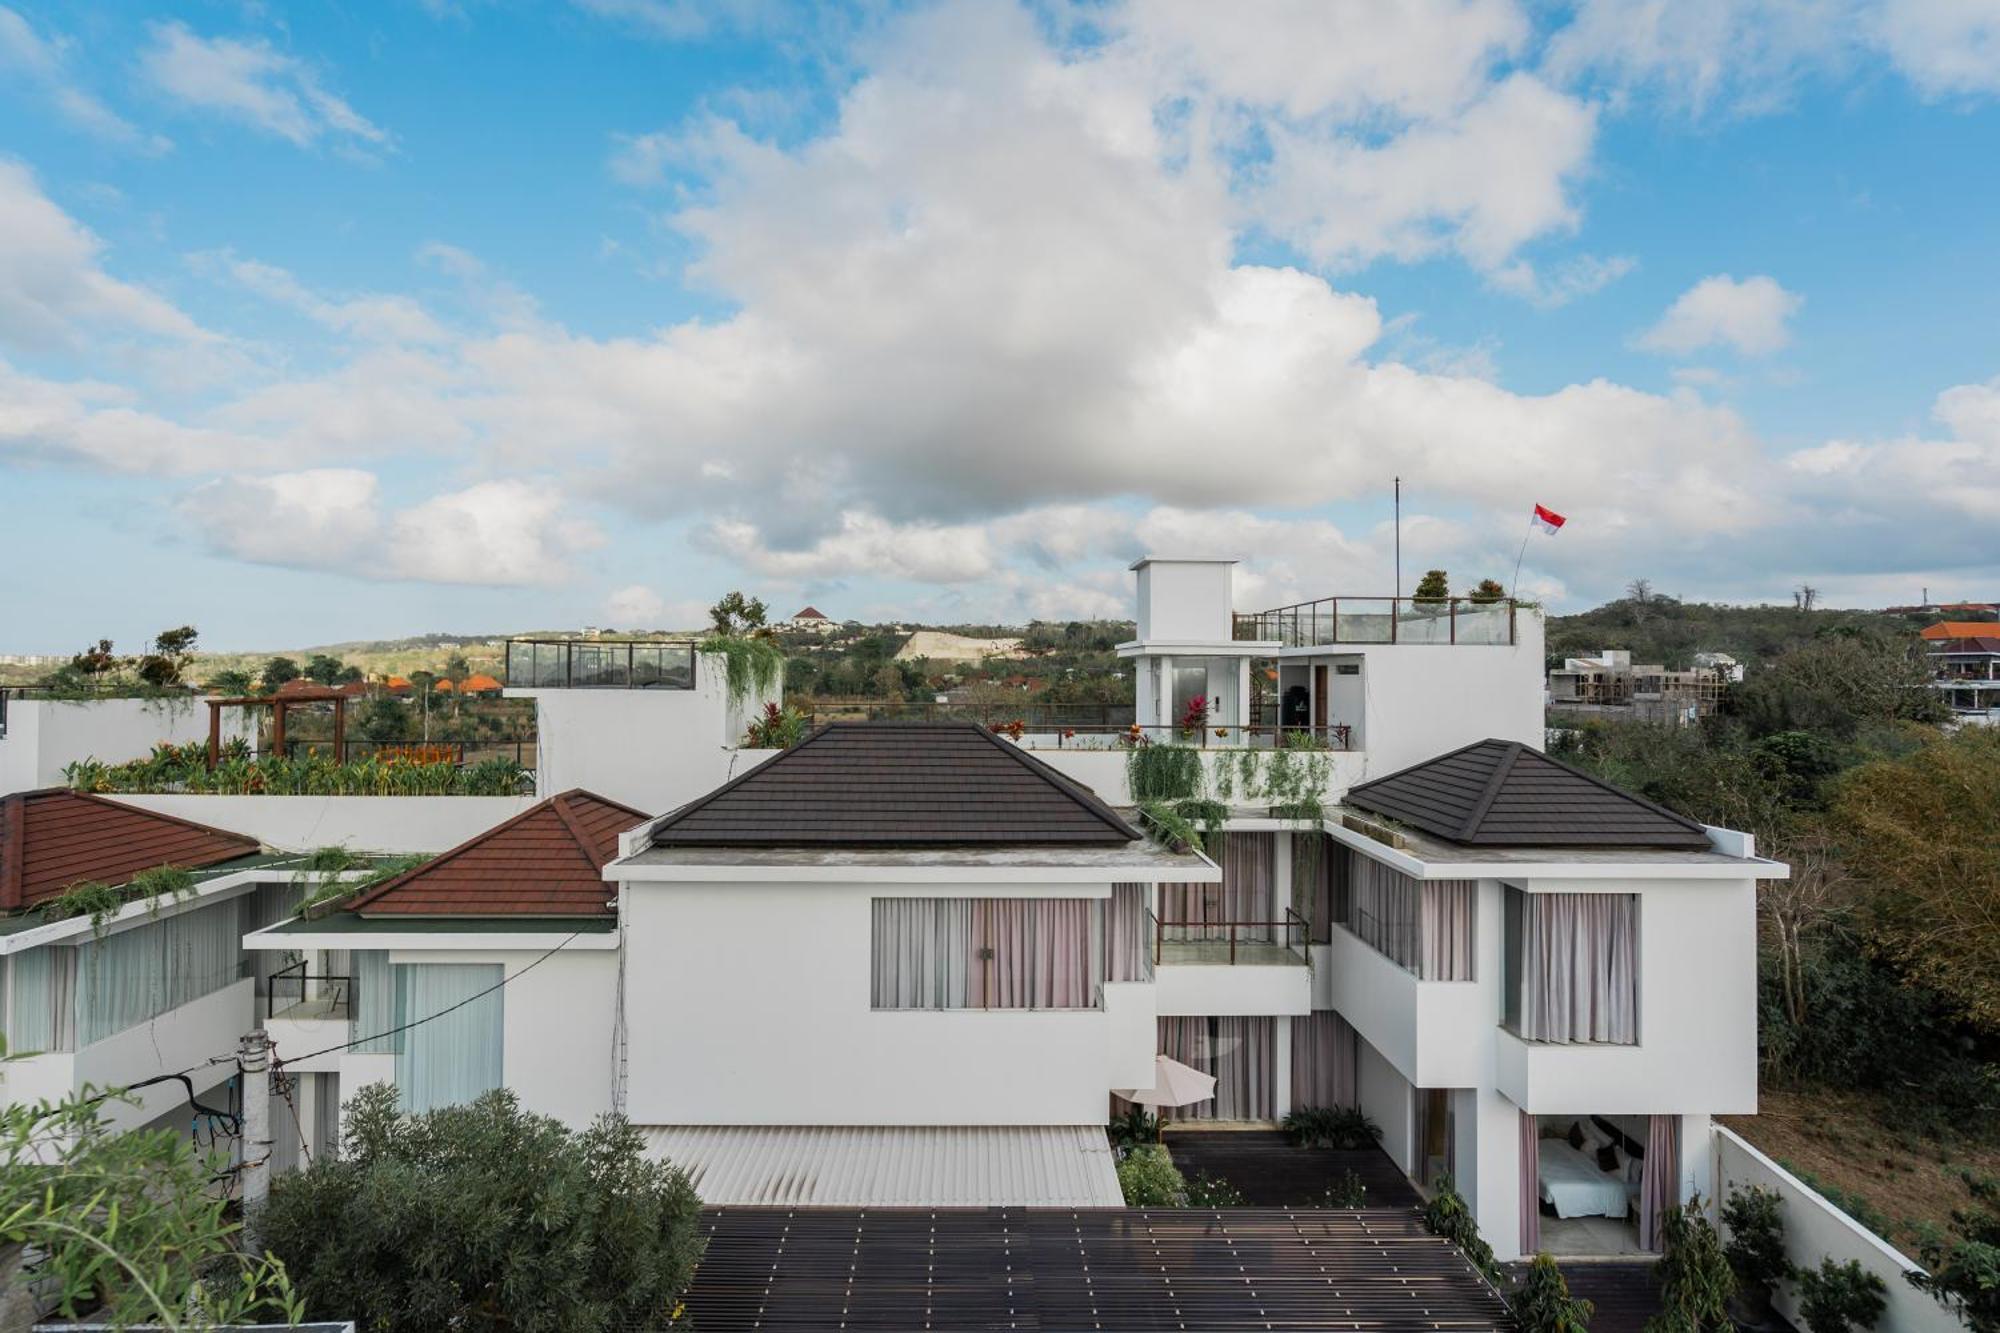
913 963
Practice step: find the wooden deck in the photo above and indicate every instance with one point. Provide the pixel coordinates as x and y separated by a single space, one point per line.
1271 1173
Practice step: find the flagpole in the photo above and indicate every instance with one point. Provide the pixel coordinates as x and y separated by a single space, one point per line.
1514 588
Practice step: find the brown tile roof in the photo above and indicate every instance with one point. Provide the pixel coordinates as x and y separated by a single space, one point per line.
546 861
1503 794
53 838
897 784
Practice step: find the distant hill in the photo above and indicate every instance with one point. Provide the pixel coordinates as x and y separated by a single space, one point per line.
1668 631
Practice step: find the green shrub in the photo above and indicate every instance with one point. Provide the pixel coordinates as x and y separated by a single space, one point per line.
1542 1304
1331 1127
1964 1274
1446 1215
1839 1298
1853 1203
1135 1127
1346 1192
1148 1178
1163 773
1206 1191
484 1218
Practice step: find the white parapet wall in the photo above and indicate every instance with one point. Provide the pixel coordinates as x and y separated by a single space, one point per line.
45 735
394 824
1816 1230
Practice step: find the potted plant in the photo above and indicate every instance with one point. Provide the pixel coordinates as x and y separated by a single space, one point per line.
1694 1275
1840 1298
1756 1253
1542 1303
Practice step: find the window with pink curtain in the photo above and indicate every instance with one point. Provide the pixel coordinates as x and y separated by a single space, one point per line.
1323 1061
1240 1053
1572 967
992 953
1245 894
1425 926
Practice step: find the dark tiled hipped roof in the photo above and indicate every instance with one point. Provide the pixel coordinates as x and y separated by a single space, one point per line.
53 838
898 784
546 861
1503 794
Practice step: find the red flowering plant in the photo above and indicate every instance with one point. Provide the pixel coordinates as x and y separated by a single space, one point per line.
1195 716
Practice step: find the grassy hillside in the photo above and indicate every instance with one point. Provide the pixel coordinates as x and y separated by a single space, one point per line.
1667 631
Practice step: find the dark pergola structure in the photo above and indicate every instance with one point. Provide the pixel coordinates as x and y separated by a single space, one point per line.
279 703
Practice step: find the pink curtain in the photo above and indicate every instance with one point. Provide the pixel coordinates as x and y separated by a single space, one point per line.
1323 1055
1448 908
1239 1052
1040 954
1660 1186
1531 1184
1385 911
1205 911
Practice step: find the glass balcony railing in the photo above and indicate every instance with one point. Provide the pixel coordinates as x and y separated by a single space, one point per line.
1342 620
591 664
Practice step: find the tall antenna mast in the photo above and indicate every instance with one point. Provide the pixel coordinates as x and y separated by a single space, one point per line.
1399 537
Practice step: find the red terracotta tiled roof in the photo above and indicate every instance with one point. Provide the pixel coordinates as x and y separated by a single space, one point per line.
546 861
481 684
1960 629
53 838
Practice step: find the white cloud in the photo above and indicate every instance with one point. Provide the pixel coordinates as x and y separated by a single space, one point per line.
53 288
1565 281
1945 47
374 317
496 533
1749 57
252 82
1750 316
43 62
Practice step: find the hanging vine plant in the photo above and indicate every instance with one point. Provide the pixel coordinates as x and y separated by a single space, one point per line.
753 665
1164 773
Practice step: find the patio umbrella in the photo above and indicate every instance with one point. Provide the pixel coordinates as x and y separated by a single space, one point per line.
1174 1084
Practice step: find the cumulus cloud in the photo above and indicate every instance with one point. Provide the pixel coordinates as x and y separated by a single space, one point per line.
1751 316
53 286
496 533
1945 47
373 317
250 81
42 60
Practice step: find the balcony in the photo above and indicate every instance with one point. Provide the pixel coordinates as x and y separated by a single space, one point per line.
1334 621
1046 726
298 995
591 664
1231 943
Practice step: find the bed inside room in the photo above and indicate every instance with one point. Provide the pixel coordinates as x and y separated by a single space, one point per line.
1588 1177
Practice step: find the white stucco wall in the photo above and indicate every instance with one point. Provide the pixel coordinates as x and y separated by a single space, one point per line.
44 735
749 1004
1220 989
557 1019
1816 1230
365 823
1385 1097
1184 600
653 750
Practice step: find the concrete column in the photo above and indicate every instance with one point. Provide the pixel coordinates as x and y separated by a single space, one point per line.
1491 1183
1698 1159
253 1058
1165 683
1281 1063
1281 876
1242 691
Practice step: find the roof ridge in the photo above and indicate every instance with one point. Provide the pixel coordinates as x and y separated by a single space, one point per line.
143 811
1503 766
1076 791
381 890
682 811
1679 818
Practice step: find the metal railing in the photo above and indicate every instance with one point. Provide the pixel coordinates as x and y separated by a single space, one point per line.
1336 620
293 989
591 664
1086 726
1291 934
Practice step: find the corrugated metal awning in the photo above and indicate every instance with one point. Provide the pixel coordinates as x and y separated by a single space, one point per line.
937 1166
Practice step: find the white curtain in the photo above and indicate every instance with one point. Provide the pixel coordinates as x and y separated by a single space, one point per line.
1239 1052
41 1000
1385 910
1244 894
373 1007
1128 936
922 953
263 906
453 1058
1579 974
147 970
1448 908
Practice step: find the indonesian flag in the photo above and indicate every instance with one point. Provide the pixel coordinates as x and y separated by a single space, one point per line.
1548 520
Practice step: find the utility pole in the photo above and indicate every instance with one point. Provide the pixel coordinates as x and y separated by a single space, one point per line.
253 1058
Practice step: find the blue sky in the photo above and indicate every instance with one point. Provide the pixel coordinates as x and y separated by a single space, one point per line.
329 321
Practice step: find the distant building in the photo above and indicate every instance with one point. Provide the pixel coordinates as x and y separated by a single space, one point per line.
1640 692
809 621
1965 666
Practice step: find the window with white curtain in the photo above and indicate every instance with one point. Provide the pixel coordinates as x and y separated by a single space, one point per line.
1001 953
41 1000
1423 926
1570 967
146 970
454 1051
373 1008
